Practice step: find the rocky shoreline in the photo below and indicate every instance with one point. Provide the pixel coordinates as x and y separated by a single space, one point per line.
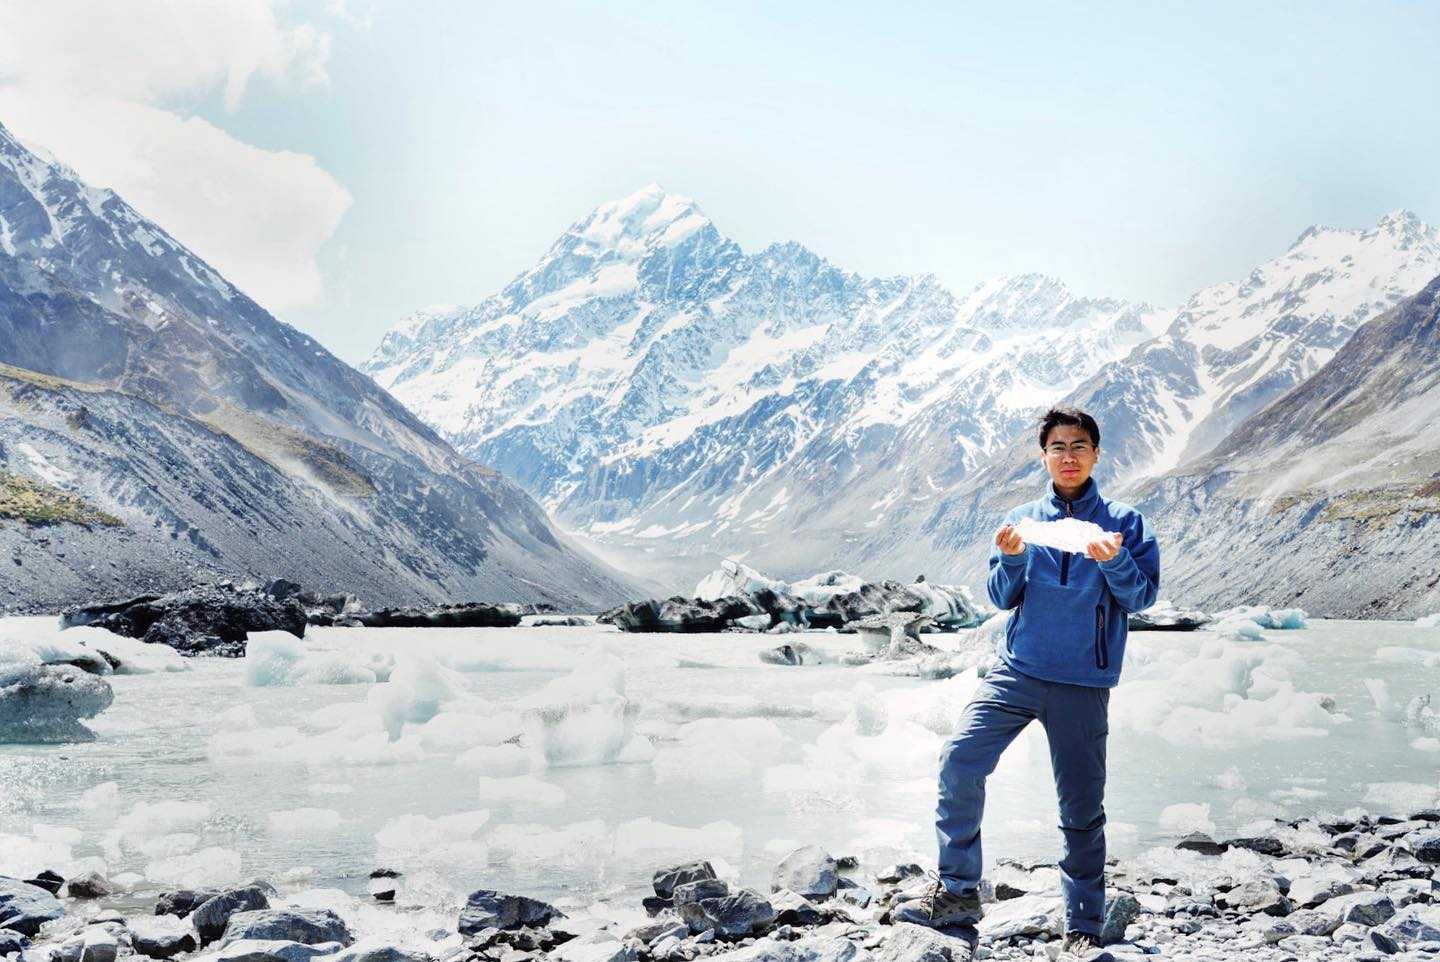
1360 886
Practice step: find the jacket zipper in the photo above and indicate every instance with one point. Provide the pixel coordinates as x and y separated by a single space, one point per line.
1065 556
1102 656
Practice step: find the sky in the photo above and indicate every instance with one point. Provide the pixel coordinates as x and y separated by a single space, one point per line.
349 162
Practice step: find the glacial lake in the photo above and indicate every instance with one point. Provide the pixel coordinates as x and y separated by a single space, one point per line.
570 763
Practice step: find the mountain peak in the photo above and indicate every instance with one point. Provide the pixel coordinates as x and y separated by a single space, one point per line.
650 217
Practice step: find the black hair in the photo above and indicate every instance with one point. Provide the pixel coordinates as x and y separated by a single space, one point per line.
1073 417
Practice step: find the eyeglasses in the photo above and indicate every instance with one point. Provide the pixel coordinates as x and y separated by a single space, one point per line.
1078 448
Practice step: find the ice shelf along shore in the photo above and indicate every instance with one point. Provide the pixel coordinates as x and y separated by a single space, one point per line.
568 762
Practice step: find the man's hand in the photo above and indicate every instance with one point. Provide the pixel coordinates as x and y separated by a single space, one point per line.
1103 549
1009 540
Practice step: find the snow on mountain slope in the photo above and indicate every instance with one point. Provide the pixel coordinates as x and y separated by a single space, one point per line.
224 441
666 393
1328 498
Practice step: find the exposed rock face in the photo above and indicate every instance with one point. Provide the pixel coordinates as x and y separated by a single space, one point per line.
190 435
203 620
45 703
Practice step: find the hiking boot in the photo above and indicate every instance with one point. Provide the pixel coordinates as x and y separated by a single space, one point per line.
938 907
1082 945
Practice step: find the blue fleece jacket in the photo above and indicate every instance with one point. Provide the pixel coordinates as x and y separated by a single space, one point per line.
1071 613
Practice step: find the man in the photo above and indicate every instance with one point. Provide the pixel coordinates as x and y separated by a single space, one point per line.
1059 657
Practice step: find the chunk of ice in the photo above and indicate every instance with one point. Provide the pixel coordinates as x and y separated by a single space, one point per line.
1067 534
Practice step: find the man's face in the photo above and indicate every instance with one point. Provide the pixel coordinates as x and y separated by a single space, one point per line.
1069 456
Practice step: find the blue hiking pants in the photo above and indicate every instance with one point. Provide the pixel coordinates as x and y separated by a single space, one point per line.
1076 724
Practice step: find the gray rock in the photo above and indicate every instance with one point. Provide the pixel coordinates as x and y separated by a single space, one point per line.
1120 910
815 948
809 871
25 907
1425 845
183 901
1419 923
916 943
100 945
1360 908
1202 843
1256 895
270 950
734 916
1309 892
1381 942
899 873
487 908
705 888
44 704
91 885
376 952
309 926
792 908
162 936
594 947
666 879
211 917
12 941
47 880
1029 915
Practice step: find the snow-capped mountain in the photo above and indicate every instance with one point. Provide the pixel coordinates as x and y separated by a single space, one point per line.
1330 497
1231 350
137 381
678 399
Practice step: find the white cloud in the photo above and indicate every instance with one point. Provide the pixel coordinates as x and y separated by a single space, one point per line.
91 82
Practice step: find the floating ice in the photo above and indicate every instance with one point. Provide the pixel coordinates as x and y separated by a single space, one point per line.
1265 617
1067 534
1230 780
279 658
1429 621
818 589
412 840
582 718
1402 797
1238 629
734 578
163 818
416 689
208 868
496 760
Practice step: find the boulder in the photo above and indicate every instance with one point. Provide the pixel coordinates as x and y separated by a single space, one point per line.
703 888
12 941
793 909
48 880
100 945
809 871
208 619
309 926
1417 923
1120 910
44 704
665 880
1202 843
487 908
25 907
90 885
271 950
183 901
212 917
1029 915
1425 845
569 621
162 936
1360 908
375 951
473 614
916 943
733 916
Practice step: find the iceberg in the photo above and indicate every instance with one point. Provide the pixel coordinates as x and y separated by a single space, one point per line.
733 578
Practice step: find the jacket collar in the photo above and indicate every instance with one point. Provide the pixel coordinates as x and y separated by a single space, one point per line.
1082 505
